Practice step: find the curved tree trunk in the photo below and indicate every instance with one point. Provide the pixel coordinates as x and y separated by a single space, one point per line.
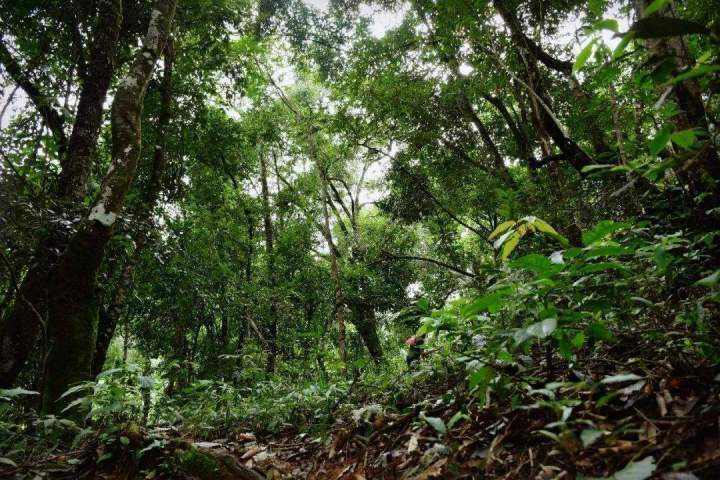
109 319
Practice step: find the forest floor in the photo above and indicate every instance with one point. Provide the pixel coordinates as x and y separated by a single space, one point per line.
663 425
653 417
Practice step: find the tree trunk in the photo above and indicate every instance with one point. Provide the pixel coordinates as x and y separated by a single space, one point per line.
109 319
339 302
95 83
73 294
272 276
20 328
701 173
572 152
364 320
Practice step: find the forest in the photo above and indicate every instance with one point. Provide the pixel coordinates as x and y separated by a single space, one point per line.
350 240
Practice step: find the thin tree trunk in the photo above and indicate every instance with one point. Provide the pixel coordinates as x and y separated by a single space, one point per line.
498 163
536 52
339 302
572 152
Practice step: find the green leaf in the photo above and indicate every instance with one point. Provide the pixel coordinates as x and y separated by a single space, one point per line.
596 6
602 401
709 281
655 6
76 402
620 378
510 245
154 444
549 434
601 231
7 461
637 470
482 376
77 388
578 341
459 415
590 436
584 55
125 440
16 392
536 263
662 258
606 24
684 139
436 423
622 46
502 228
542 329
598 331
661 27
596 166
697 71
423 304
543 226
662 137
491 303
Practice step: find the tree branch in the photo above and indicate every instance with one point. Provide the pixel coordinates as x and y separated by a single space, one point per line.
52 118
434 262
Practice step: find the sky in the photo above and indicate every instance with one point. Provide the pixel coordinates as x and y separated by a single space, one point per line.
382 20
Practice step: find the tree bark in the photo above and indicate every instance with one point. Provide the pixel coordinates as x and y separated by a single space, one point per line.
72 300
364 320
338 300
271 273
575 155
76 165
20 329
109 319
701 173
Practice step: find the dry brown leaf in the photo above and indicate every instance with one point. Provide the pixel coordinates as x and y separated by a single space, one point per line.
252 452
433 471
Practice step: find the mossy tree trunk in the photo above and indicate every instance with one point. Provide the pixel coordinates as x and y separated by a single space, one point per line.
73 296
363 317
20 329
110 318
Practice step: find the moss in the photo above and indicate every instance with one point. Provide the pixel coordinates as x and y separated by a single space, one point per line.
74 331
199 464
